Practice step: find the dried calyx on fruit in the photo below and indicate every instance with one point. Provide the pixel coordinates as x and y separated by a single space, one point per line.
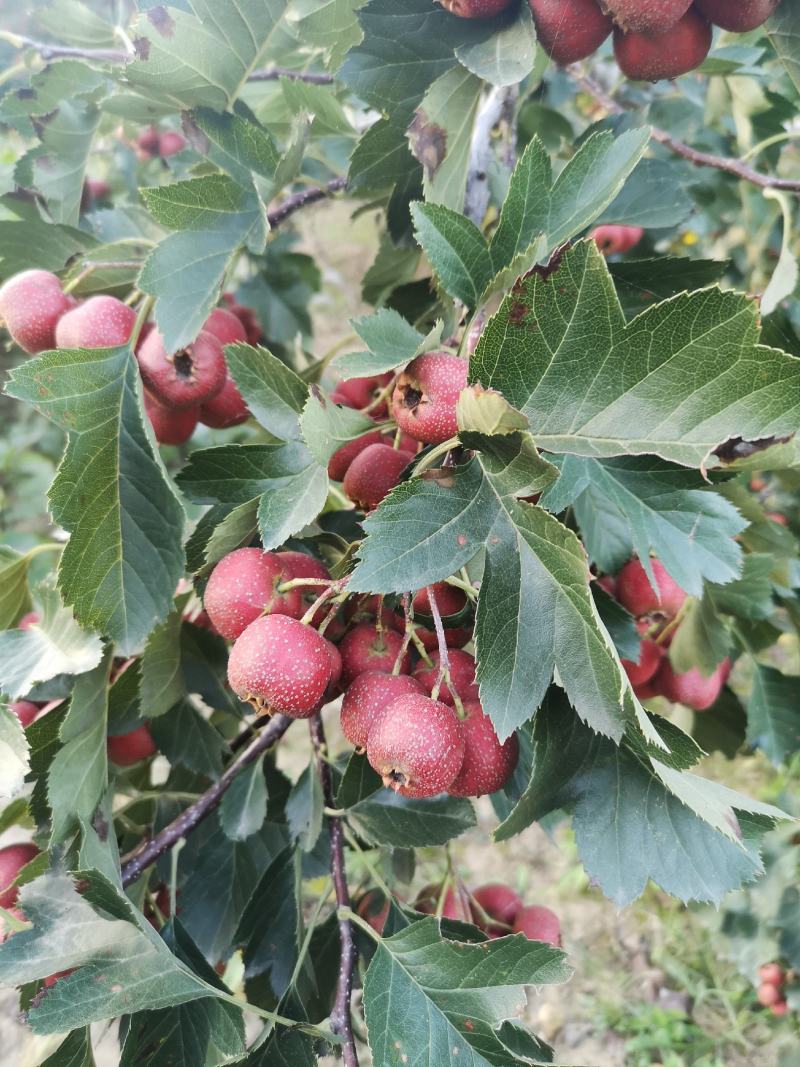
425 396
186 378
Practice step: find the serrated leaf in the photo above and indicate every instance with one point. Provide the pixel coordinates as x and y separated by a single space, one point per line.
244 806
14 597
304 809
358 782
502 54
14 761
642 282
124 556
485 411
458 995
162 684
267 930
52 646
185 737
678 381
385 818
274 393
456 249
331 25
700 641
392 343
773 719
34 243
784 32
654 197
235 143
327 426
74 1051
750 595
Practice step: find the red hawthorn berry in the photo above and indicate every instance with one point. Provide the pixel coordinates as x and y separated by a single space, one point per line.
454 636
225 326
228 408
367 696
772 973
654 16
186 379
246 316
768 994
367 648
449 599
456 903
281 665
475 9
169 426
26 711
133 747
425 396
676 51
538 923
245 584
487 764
373 473
650 656
170 143
12 859
417 746
361 392
339 463
691 688
635 592
462 676
609 583
31 303
739 17
500 902
616 240
365 609
99 322
373 906
569 30
147 142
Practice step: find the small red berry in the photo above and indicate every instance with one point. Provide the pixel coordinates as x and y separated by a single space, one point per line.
424 398
225 326
186 379
245 584
227 408
538 923
367 648
449 600
635 592
499 902
609 583
147 142
488 764
374 472
691 688
650 656
31 303
772 973
456 903
246 316
374 907
649 57
768 994
130 748
100 322
170 143
169 426
462 676
569 30
739 17
281 665
25 710
615 240
416 746
340 461
454 636
12 859
652 16
366 698
361 392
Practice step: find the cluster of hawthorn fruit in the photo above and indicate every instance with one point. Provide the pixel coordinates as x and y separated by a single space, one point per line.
771 992
653 39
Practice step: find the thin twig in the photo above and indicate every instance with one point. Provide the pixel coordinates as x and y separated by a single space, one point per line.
700 159
271 74
149 851
444 656
57 51
301 199
341 1021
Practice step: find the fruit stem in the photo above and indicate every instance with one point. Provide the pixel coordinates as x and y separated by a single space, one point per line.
674 623
383 395
298 583
440 450
407 635
332 587
444 658
141 318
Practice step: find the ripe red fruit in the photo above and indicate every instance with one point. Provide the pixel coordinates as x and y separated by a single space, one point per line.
94 190
147 142
691 688
373 473
462 676
12 859
281 665
648 662
243 585
31 303
100 322
499 902
635 592
681 48
646 16
30 618
26 711
538 923
360 393
609 583
246 316
416 746
424 398
475 9
366 698
487 765
170 427
739 17
772 973
367 648
449 599
225 326
373 906
170 143
186 379
127 749
365 609
227 408
614 240
569 30
456 903
768 994
454 637
781 1007
340 461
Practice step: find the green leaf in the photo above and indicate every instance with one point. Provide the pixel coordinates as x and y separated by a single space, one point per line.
457 251
440 135
33 243
274 393
185 737
784 32
78 775
628 506
74 1051
267 930
654 197
647 281
773 724
391 340
124 556
331 25
14 762
203 57
359 781
162 684
55 645
500 54
244 806
215 217
304 809
620 624
678 381
235 143
14 597
457 994
382 159
385 818
750 595
700 640
327 426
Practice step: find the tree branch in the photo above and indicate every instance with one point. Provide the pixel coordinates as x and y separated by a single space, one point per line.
149 851
306 196
57 51
341 1021
271 74
700 159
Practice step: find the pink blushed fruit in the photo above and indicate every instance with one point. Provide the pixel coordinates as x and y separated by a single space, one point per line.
99 322
31 303
538 923
367 697
133 747
367 648
500 902
487 764
691 688
635 592
245 584
416 746
425 396
187 378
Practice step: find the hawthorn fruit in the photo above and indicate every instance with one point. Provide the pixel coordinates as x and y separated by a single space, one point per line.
768 994
245 584
360 393
99 322
339 463
456 903
646 16
538 923
772 973
691 688
569 30
12 859
31 303
301 565
25 710
475 9
499 902
416 746
635 592
616 240
365 699
169 426
488 764
650 57
650 655
449 599
462 676
133 747
373 473
373 906
170 142
739 17
368 647
228 408
425 396
187 378
246 316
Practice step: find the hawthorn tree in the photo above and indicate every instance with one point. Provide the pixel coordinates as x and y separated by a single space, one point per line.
516 534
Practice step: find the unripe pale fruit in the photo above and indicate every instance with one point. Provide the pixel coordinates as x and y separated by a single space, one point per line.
339 463
227 408
635 592
374 473
25 710
367 697
449 600
768 994
691 688
130 748
771 973
243 585
649 57
170 427
499 902
487 765
738 16
475 9
649 661
361 392
31 303
100 322
367 648
646 16
186 379
569 30
281 665
615 240
416 746
538 923
425 396
373 906
456 903
462 676
170 143
12 859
